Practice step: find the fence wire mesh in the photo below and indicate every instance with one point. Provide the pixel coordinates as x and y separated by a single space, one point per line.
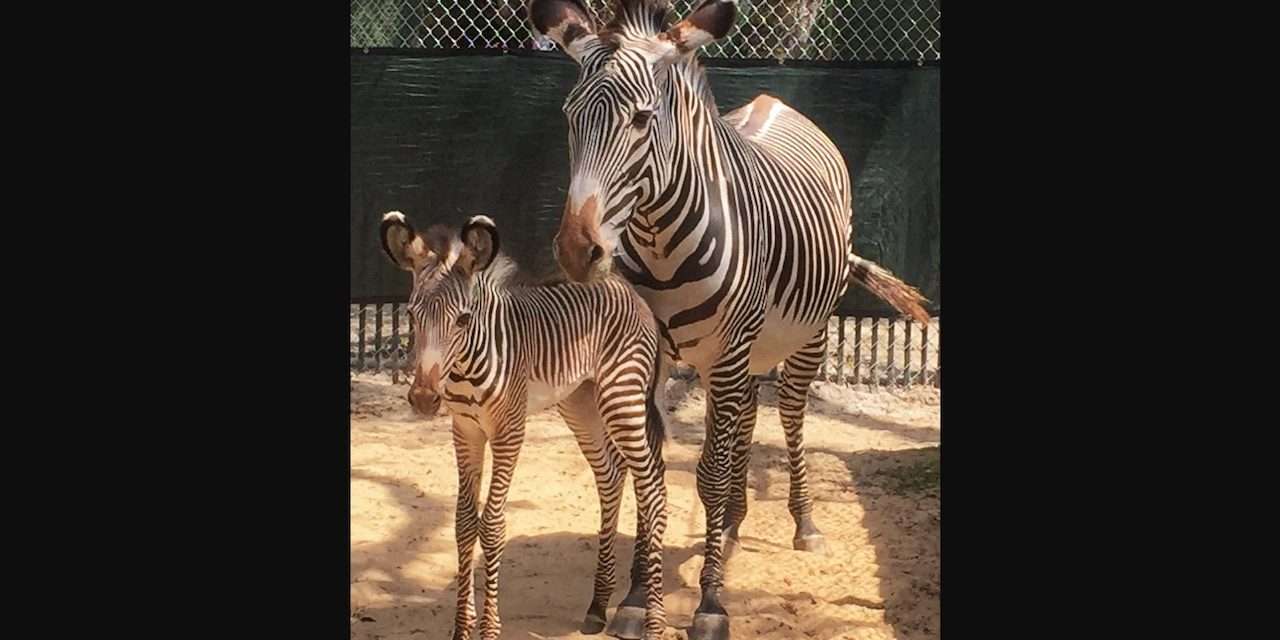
861 351
827 30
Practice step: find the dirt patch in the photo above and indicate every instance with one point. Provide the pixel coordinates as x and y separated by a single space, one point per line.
874 471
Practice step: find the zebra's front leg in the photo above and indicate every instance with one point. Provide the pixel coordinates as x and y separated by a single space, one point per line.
727 392
793 392
493 525
468 446
736 511
580 413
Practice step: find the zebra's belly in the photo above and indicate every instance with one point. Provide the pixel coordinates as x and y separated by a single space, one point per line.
779 338
544 395
700 342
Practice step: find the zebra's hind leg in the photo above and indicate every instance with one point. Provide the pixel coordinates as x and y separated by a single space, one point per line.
623 405
736 512
629 620
580 413
793 392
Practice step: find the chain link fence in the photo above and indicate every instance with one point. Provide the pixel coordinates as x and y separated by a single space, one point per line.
825 30
869 351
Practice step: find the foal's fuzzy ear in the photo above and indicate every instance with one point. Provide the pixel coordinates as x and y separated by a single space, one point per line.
567 22
409 249
481 243
401 242
712 20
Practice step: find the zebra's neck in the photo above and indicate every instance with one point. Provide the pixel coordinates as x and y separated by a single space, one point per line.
674 236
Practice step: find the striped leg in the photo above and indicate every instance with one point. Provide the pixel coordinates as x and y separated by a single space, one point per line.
580 413
736 512
468 446
629 620
727 392
793 393
623 401
493 525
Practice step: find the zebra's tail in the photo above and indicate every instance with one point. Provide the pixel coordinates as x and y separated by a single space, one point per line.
878 280
655 427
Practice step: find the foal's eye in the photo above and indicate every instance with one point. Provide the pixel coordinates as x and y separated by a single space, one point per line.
463 320
641 118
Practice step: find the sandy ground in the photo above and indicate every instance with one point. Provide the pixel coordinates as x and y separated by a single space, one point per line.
873 469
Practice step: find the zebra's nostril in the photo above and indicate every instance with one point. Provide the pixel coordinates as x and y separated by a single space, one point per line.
597 252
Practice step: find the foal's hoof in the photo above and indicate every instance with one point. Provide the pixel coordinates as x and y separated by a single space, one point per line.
592 624
709 626
813 543
627 623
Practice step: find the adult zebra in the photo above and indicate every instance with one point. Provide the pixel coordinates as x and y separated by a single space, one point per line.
737 230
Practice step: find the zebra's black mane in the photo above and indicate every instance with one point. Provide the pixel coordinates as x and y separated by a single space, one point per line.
640 18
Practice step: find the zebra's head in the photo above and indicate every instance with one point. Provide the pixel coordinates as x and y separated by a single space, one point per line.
452 283
622 113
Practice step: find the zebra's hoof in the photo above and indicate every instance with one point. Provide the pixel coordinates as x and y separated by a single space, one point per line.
709 626
627 623
592 624
813 543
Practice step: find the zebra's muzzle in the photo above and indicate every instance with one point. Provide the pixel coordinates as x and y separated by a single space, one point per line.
423 395
577 245
424 401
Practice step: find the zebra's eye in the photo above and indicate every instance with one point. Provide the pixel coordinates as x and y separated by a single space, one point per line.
641 118
464 320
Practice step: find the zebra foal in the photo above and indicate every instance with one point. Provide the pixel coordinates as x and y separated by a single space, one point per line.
493 350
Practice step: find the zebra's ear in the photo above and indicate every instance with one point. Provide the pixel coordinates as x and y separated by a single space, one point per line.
567 22
480 238
712 20
401 242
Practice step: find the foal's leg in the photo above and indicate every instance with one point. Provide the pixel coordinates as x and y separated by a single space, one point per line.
580 413
623 401
468 446
629 620
493 525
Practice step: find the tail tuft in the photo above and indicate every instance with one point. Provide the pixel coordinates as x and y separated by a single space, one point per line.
878 280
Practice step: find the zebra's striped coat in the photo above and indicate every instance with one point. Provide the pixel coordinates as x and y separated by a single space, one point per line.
496 351
736 229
